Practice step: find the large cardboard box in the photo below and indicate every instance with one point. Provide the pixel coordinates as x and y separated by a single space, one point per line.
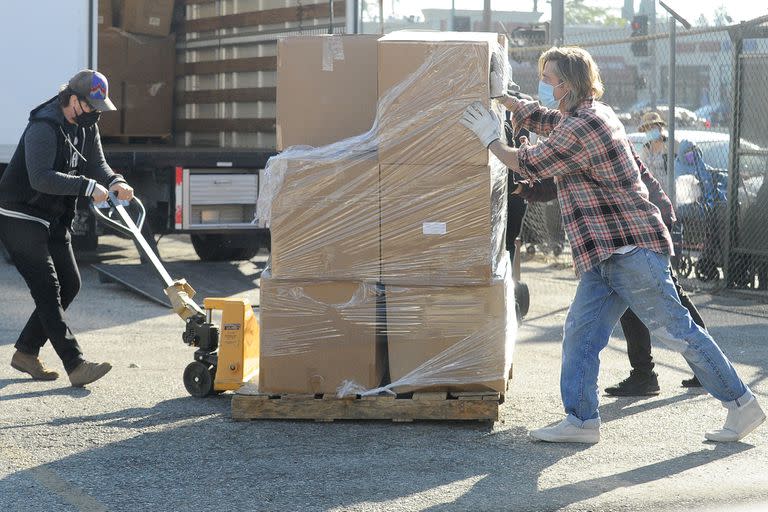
451 338
110 123
316 335
326 88
148 85
113 52
140 70
442 224
151 59
150 17
426 81
325 217
147 108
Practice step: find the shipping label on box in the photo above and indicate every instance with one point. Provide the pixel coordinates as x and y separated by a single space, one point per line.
326 88
426 81
104 19
150 17
317 335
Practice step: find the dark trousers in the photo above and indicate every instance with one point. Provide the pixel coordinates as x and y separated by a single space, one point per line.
45 260
516 208
639 339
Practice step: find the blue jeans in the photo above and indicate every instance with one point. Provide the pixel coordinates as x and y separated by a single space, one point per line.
640 280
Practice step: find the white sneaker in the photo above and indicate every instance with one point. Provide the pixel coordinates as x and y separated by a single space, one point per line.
567 432
740 422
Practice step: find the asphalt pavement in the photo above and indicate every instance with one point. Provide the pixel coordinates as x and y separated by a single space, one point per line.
136 440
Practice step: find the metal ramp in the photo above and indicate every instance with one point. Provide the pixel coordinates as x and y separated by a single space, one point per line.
209 279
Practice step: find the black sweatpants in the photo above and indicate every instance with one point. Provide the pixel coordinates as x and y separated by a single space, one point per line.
44 258
638 337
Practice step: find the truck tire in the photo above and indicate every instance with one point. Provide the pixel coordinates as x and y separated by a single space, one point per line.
219 248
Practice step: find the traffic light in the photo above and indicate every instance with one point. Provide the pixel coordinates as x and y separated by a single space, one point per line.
640 29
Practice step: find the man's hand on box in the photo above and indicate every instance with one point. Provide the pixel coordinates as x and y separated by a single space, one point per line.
484 123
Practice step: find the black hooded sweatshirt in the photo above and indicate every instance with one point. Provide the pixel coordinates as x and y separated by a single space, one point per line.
55 163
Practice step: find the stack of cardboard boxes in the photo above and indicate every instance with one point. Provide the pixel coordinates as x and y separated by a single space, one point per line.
387 246
137 53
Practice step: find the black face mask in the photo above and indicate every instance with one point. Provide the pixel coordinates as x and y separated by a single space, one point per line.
87 119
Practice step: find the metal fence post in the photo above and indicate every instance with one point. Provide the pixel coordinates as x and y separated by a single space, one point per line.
671 120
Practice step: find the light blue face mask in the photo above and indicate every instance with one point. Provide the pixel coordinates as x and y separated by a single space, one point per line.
547 95
653 134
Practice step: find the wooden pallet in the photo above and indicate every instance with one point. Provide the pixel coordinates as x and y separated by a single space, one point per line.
442 406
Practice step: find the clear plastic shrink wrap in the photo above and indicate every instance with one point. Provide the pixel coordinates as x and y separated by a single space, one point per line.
388 270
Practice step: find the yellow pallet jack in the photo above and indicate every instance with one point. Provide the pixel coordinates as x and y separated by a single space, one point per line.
225 333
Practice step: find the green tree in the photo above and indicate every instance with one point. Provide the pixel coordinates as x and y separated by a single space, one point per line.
721 17
702 21
577 13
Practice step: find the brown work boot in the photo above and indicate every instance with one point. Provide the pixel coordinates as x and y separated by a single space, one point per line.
87 372
32 365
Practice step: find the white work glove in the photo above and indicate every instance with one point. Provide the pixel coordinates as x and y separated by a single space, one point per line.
483 122
498 78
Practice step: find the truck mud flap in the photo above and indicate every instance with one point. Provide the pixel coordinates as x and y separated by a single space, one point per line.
209 279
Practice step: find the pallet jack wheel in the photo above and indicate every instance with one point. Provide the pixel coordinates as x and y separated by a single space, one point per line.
522 300
530 250
198 379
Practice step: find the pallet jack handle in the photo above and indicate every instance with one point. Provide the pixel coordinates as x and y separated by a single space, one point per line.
178 291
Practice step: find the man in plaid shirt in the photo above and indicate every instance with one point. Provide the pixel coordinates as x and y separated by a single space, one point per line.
620 244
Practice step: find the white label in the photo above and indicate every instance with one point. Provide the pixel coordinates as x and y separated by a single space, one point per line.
223 164
154 21
434 228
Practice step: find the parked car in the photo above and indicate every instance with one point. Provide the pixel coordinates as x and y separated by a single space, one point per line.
714 114
715 147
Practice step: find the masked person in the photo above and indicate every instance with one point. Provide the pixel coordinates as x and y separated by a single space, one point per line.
642 380
620 245
59 160
653 153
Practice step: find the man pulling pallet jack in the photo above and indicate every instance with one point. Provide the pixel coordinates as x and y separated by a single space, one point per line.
227 354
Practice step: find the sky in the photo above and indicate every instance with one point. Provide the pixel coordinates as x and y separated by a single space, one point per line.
739 10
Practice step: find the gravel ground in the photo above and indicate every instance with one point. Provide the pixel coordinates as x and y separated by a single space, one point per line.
136 441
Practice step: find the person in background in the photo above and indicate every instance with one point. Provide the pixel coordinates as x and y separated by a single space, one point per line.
642 380
620 245
59 160
653 153
516 208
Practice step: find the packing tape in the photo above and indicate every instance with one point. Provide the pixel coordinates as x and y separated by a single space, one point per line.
333 49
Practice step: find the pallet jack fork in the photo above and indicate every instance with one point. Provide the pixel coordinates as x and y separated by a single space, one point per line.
227 352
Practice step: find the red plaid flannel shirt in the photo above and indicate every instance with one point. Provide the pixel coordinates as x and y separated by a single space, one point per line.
604 203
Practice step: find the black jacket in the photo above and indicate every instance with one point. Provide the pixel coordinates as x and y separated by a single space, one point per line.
50 194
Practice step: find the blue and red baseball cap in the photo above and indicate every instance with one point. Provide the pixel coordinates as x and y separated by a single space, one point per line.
94 88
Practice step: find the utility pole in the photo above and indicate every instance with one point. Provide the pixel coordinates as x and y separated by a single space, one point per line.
381 16
487 16
557 29
453 15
